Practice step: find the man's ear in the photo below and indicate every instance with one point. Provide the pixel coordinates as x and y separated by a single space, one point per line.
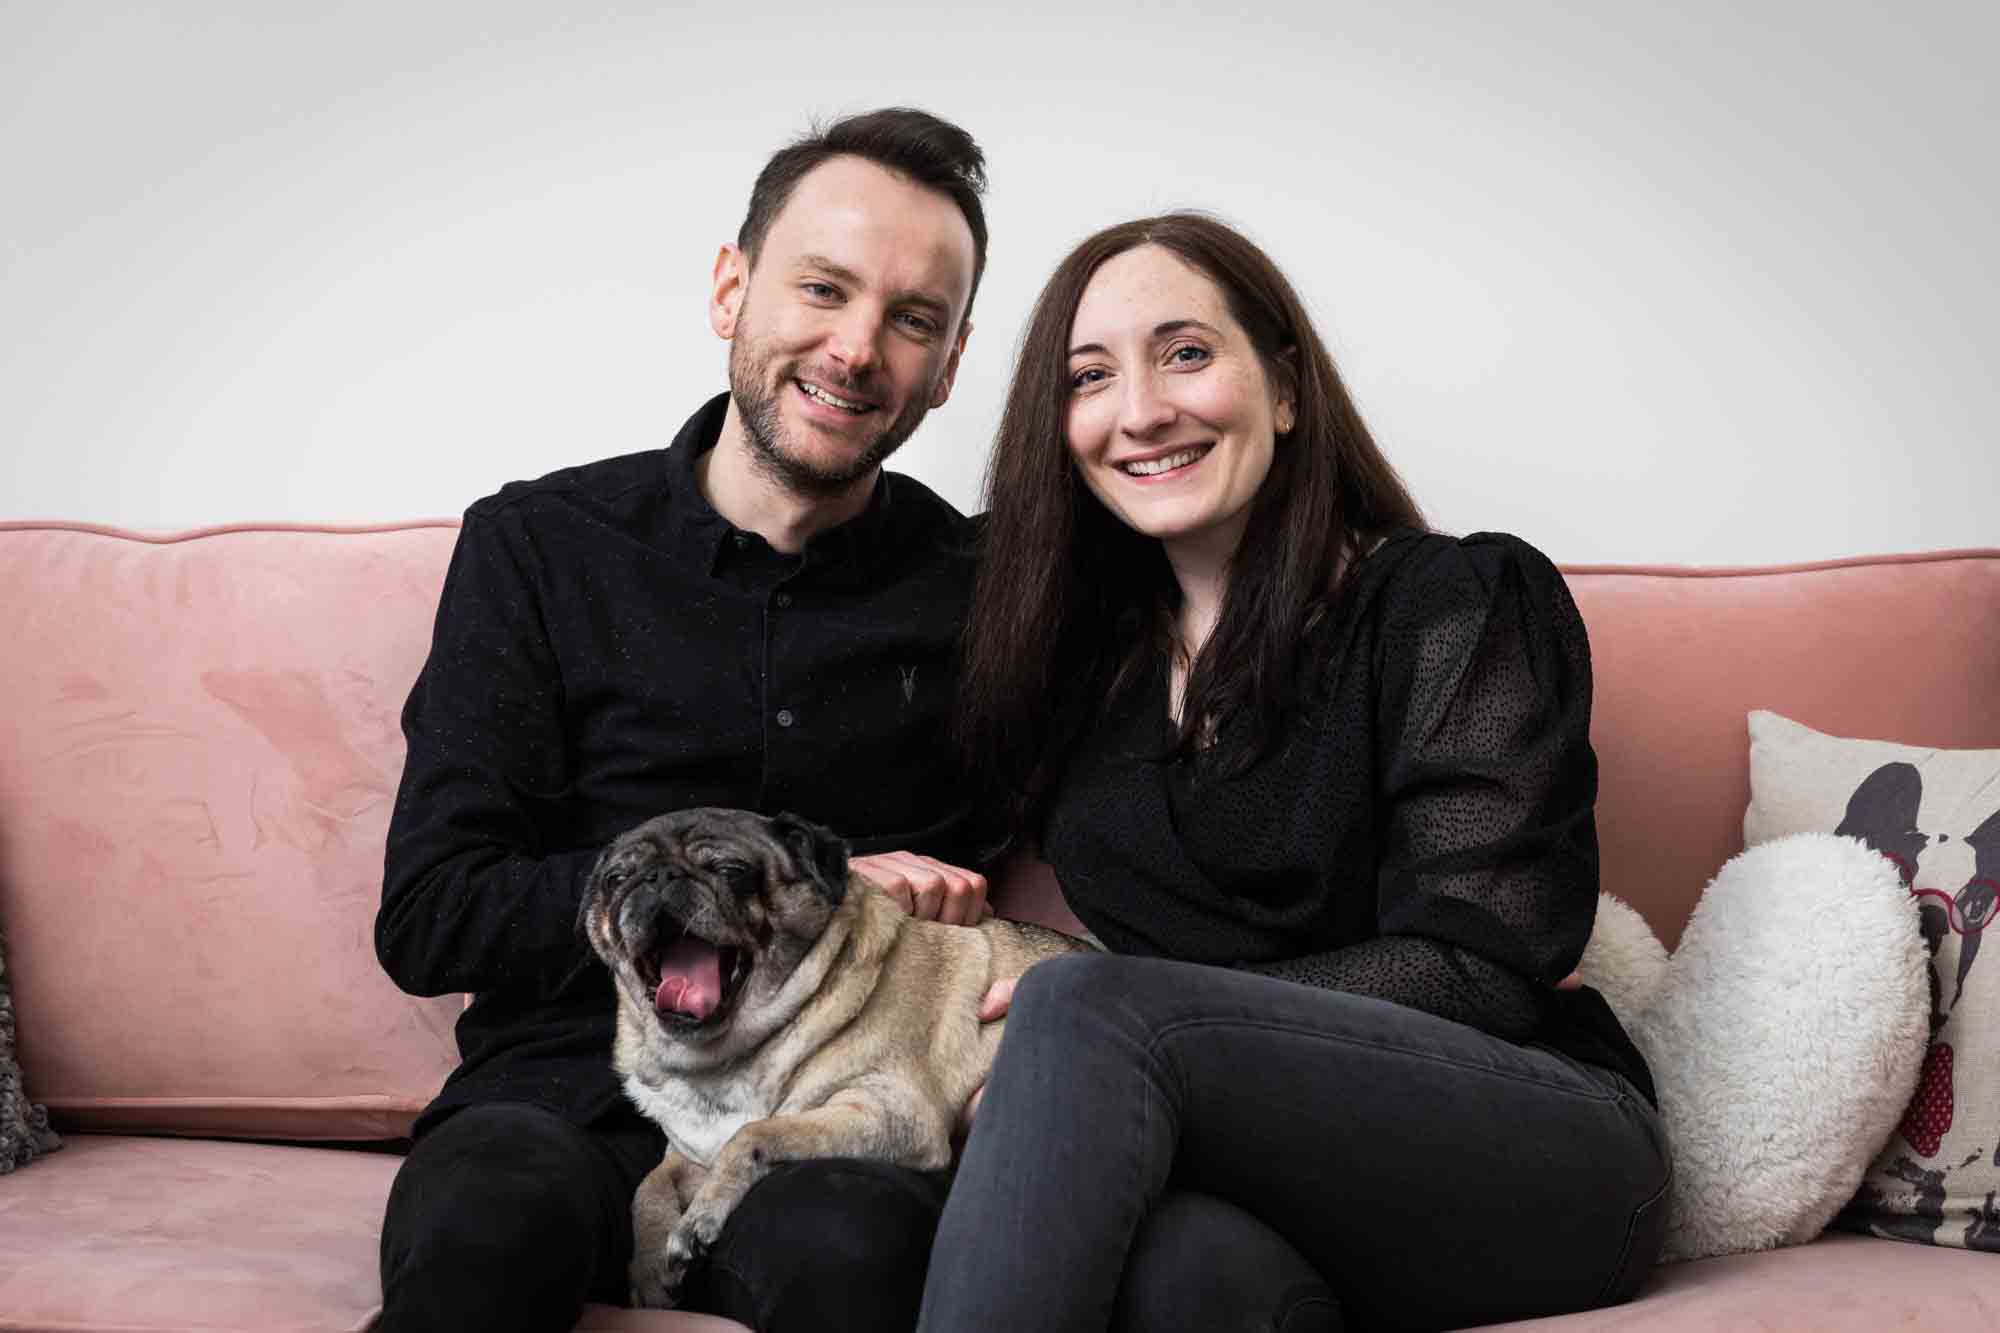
728 286
817 851
950 376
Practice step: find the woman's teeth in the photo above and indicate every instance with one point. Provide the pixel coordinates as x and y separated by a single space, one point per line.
1153 467
818 394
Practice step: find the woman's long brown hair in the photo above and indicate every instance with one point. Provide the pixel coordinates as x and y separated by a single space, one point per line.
1068 600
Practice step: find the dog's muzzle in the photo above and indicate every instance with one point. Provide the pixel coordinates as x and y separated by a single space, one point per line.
691 978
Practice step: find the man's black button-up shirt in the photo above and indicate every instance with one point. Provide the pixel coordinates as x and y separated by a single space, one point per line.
608 648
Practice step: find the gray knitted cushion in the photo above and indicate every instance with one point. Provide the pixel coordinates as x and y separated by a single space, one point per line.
24 1127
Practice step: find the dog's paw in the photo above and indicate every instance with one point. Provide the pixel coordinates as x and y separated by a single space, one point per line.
694 1234
656 1280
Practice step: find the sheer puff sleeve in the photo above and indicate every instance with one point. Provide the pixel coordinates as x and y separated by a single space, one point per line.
1486 885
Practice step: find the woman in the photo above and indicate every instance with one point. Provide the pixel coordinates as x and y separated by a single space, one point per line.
1322 783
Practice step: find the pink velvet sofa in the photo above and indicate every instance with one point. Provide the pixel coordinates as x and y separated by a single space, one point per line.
199 747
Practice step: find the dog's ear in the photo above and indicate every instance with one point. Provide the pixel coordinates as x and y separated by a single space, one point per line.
818 851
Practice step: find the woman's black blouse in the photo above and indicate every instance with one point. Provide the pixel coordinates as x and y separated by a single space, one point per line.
1421 831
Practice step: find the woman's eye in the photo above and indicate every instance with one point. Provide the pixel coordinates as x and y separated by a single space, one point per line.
1086 377
1188 354
819 291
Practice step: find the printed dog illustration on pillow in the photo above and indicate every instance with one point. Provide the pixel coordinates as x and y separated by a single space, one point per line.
1883 813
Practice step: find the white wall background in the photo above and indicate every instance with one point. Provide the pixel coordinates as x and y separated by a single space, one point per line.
1704 282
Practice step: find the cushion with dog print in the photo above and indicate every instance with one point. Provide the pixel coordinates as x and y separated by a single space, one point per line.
1935 814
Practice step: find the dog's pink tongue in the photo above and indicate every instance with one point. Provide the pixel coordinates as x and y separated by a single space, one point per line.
690 978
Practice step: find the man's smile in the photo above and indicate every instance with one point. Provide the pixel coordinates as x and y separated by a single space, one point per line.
828 398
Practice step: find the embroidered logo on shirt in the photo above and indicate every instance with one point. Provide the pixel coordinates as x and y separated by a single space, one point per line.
909 684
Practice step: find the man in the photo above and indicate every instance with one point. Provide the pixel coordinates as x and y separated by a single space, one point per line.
759 616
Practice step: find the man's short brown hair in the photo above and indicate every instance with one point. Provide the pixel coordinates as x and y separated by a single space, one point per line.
926 149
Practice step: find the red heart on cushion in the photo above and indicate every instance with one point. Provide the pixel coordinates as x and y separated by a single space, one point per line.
1928 1117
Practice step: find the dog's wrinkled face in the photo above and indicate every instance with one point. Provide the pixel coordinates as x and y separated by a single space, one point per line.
701 911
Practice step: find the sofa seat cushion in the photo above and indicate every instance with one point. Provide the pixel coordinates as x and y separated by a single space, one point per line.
144 1233
1838 1284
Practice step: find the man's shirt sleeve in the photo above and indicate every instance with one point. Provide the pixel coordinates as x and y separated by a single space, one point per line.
474 895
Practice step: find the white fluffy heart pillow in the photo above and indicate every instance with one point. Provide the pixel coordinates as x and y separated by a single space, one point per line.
1624 960
1785 1035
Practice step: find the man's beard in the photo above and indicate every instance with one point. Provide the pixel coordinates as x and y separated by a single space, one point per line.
755 385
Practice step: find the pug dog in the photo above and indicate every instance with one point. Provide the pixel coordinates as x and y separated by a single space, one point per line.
774 1007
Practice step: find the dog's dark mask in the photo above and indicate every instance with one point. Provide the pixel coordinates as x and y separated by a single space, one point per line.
693 900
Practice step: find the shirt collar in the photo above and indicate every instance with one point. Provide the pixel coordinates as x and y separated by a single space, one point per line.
700 532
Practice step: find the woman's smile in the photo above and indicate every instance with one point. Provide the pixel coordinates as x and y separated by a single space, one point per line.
1161 466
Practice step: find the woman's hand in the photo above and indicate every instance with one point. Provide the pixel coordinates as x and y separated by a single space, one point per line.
992 1008
927 888
999 996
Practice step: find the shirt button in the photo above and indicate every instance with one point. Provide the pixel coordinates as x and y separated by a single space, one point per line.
785 718
742 540
784 600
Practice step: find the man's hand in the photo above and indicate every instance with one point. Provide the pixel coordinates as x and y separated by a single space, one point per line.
927 888
991 1008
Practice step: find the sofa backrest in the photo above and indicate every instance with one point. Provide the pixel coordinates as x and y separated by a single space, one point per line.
1901 648
199 746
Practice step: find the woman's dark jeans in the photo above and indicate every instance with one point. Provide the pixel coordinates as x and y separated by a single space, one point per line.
1144 1114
